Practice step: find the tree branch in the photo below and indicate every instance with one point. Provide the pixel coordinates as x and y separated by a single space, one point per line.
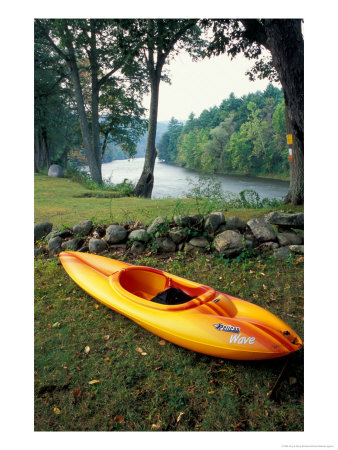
52 43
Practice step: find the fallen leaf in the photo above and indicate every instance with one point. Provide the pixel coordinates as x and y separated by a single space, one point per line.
118 419
106 338
264 287
107 358
87 349
158 368
94 382
96 305
56 325
68 298
179 416
251 271
77 394
57 410
262 274
292 380
139 349
155 426
162 342
211 392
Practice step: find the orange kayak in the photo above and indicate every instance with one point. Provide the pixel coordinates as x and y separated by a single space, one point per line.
186 313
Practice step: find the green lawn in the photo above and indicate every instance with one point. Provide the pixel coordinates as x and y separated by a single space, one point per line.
61 201
169 388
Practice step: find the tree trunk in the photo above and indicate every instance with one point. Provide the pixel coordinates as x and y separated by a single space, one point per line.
295 194
94 167
285 42
95 95
145 184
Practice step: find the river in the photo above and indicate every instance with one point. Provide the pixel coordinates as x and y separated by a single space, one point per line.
173 181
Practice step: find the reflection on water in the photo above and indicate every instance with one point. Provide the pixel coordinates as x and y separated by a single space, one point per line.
172 181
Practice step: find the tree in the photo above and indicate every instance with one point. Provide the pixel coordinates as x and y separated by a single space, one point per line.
161 39
55 124
284 40
167 146
91 50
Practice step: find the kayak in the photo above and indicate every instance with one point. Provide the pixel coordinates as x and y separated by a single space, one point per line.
186 313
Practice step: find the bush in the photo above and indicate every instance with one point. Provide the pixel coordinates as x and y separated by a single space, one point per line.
124 189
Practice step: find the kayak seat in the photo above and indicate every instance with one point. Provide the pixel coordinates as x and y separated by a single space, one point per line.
171 296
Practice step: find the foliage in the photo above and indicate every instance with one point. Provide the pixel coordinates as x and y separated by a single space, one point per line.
124 189
106 82
208 196
245 135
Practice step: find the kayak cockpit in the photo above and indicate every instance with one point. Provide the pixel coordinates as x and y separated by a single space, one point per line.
153 288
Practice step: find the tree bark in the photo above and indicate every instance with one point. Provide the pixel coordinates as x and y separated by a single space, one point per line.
94 167
95 94
145 184
285 42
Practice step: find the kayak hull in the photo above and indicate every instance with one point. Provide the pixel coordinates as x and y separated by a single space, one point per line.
211 323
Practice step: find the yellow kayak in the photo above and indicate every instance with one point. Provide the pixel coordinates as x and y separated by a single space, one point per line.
186 313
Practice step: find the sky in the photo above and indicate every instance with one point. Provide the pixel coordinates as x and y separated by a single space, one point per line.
200 85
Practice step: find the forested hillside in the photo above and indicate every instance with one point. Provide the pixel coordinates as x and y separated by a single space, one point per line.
243 135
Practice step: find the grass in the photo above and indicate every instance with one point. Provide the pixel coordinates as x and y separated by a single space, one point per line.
62 201
169 388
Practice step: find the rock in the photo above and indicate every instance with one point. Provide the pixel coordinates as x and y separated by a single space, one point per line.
97 245
236 224
213 221
54 245
267 246
115 234
188 221
250 240
229 243
200 244
42 229
165 245
83 228
137 247
63 232
72 244
221 228
262 231
156 223
139 235
55 171
286 219
297 249
84 249
290 238
282 253
178 235
38 251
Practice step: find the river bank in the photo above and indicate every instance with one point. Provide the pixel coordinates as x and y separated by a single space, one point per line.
63 201
278 177
174 181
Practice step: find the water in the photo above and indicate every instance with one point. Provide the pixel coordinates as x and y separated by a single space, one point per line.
171 181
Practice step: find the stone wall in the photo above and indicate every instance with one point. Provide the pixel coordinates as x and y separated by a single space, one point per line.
280 233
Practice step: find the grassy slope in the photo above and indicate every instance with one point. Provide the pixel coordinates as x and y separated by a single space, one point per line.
58 200
137 392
